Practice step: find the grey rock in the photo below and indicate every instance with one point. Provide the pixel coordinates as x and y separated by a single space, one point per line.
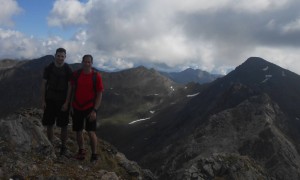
26 150
245 142
25 135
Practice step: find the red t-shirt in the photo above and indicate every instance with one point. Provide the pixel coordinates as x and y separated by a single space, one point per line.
85 95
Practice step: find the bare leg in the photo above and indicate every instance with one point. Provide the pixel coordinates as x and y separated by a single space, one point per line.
64 135
93 141
80 139
50 133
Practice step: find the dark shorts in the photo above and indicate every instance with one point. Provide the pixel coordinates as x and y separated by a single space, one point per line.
80 118
53 114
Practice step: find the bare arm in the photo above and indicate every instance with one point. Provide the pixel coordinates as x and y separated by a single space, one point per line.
93 114
98 100
68 99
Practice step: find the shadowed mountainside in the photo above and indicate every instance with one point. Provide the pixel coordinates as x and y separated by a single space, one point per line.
20 84
257 97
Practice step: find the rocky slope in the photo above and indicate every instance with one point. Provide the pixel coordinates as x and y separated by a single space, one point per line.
244 142
131 94
250 115
26 152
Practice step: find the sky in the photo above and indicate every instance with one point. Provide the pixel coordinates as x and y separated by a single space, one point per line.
170 35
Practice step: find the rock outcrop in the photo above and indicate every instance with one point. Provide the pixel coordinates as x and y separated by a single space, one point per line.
26 152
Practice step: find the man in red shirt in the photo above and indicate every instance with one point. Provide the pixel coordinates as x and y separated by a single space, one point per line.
88 88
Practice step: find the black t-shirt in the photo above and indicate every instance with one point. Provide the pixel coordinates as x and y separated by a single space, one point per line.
57 81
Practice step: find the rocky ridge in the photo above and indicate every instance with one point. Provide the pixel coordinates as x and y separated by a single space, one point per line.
244 142
26 152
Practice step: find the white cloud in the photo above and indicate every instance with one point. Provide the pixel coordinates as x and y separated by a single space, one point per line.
151 31
8 9
285 57
211 35
17 45
67 12
121 63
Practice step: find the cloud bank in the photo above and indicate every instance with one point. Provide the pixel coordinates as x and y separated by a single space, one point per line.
165 34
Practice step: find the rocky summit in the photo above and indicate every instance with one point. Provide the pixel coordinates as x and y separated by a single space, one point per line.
26 153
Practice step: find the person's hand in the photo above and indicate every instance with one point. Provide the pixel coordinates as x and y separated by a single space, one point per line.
92 116
64 107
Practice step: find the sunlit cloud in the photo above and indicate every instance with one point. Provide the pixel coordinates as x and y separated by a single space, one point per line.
8 9
215 36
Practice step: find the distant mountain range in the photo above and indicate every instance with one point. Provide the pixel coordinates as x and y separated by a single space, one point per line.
245 125
191 75
129 92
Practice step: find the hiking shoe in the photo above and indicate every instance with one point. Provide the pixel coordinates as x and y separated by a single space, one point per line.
94 158
81 154
63 150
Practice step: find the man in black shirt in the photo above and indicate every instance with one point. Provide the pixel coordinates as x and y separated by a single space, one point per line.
56 94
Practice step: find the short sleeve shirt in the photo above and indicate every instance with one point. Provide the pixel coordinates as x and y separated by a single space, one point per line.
85 94
57 81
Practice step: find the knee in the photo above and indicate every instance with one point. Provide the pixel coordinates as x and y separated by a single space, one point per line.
92 134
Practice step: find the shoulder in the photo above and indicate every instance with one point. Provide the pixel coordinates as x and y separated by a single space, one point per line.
77 72
48 70
96 73
49 67
67 67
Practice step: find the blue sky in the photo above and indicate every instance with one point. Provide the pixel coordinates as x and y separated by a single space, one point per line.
172 35
33 20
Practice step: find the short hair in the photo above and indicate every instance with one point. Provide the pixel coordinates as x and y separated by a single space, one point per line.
86 56
61 50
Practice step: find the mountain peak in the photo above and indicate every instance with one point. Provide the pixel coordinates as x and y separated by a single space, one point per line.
258 71
255 59
190 70
255 62
141 67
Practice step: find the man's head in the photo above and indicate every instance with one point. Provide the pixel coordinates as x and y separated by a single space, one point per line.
61 50
87 61
60 56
